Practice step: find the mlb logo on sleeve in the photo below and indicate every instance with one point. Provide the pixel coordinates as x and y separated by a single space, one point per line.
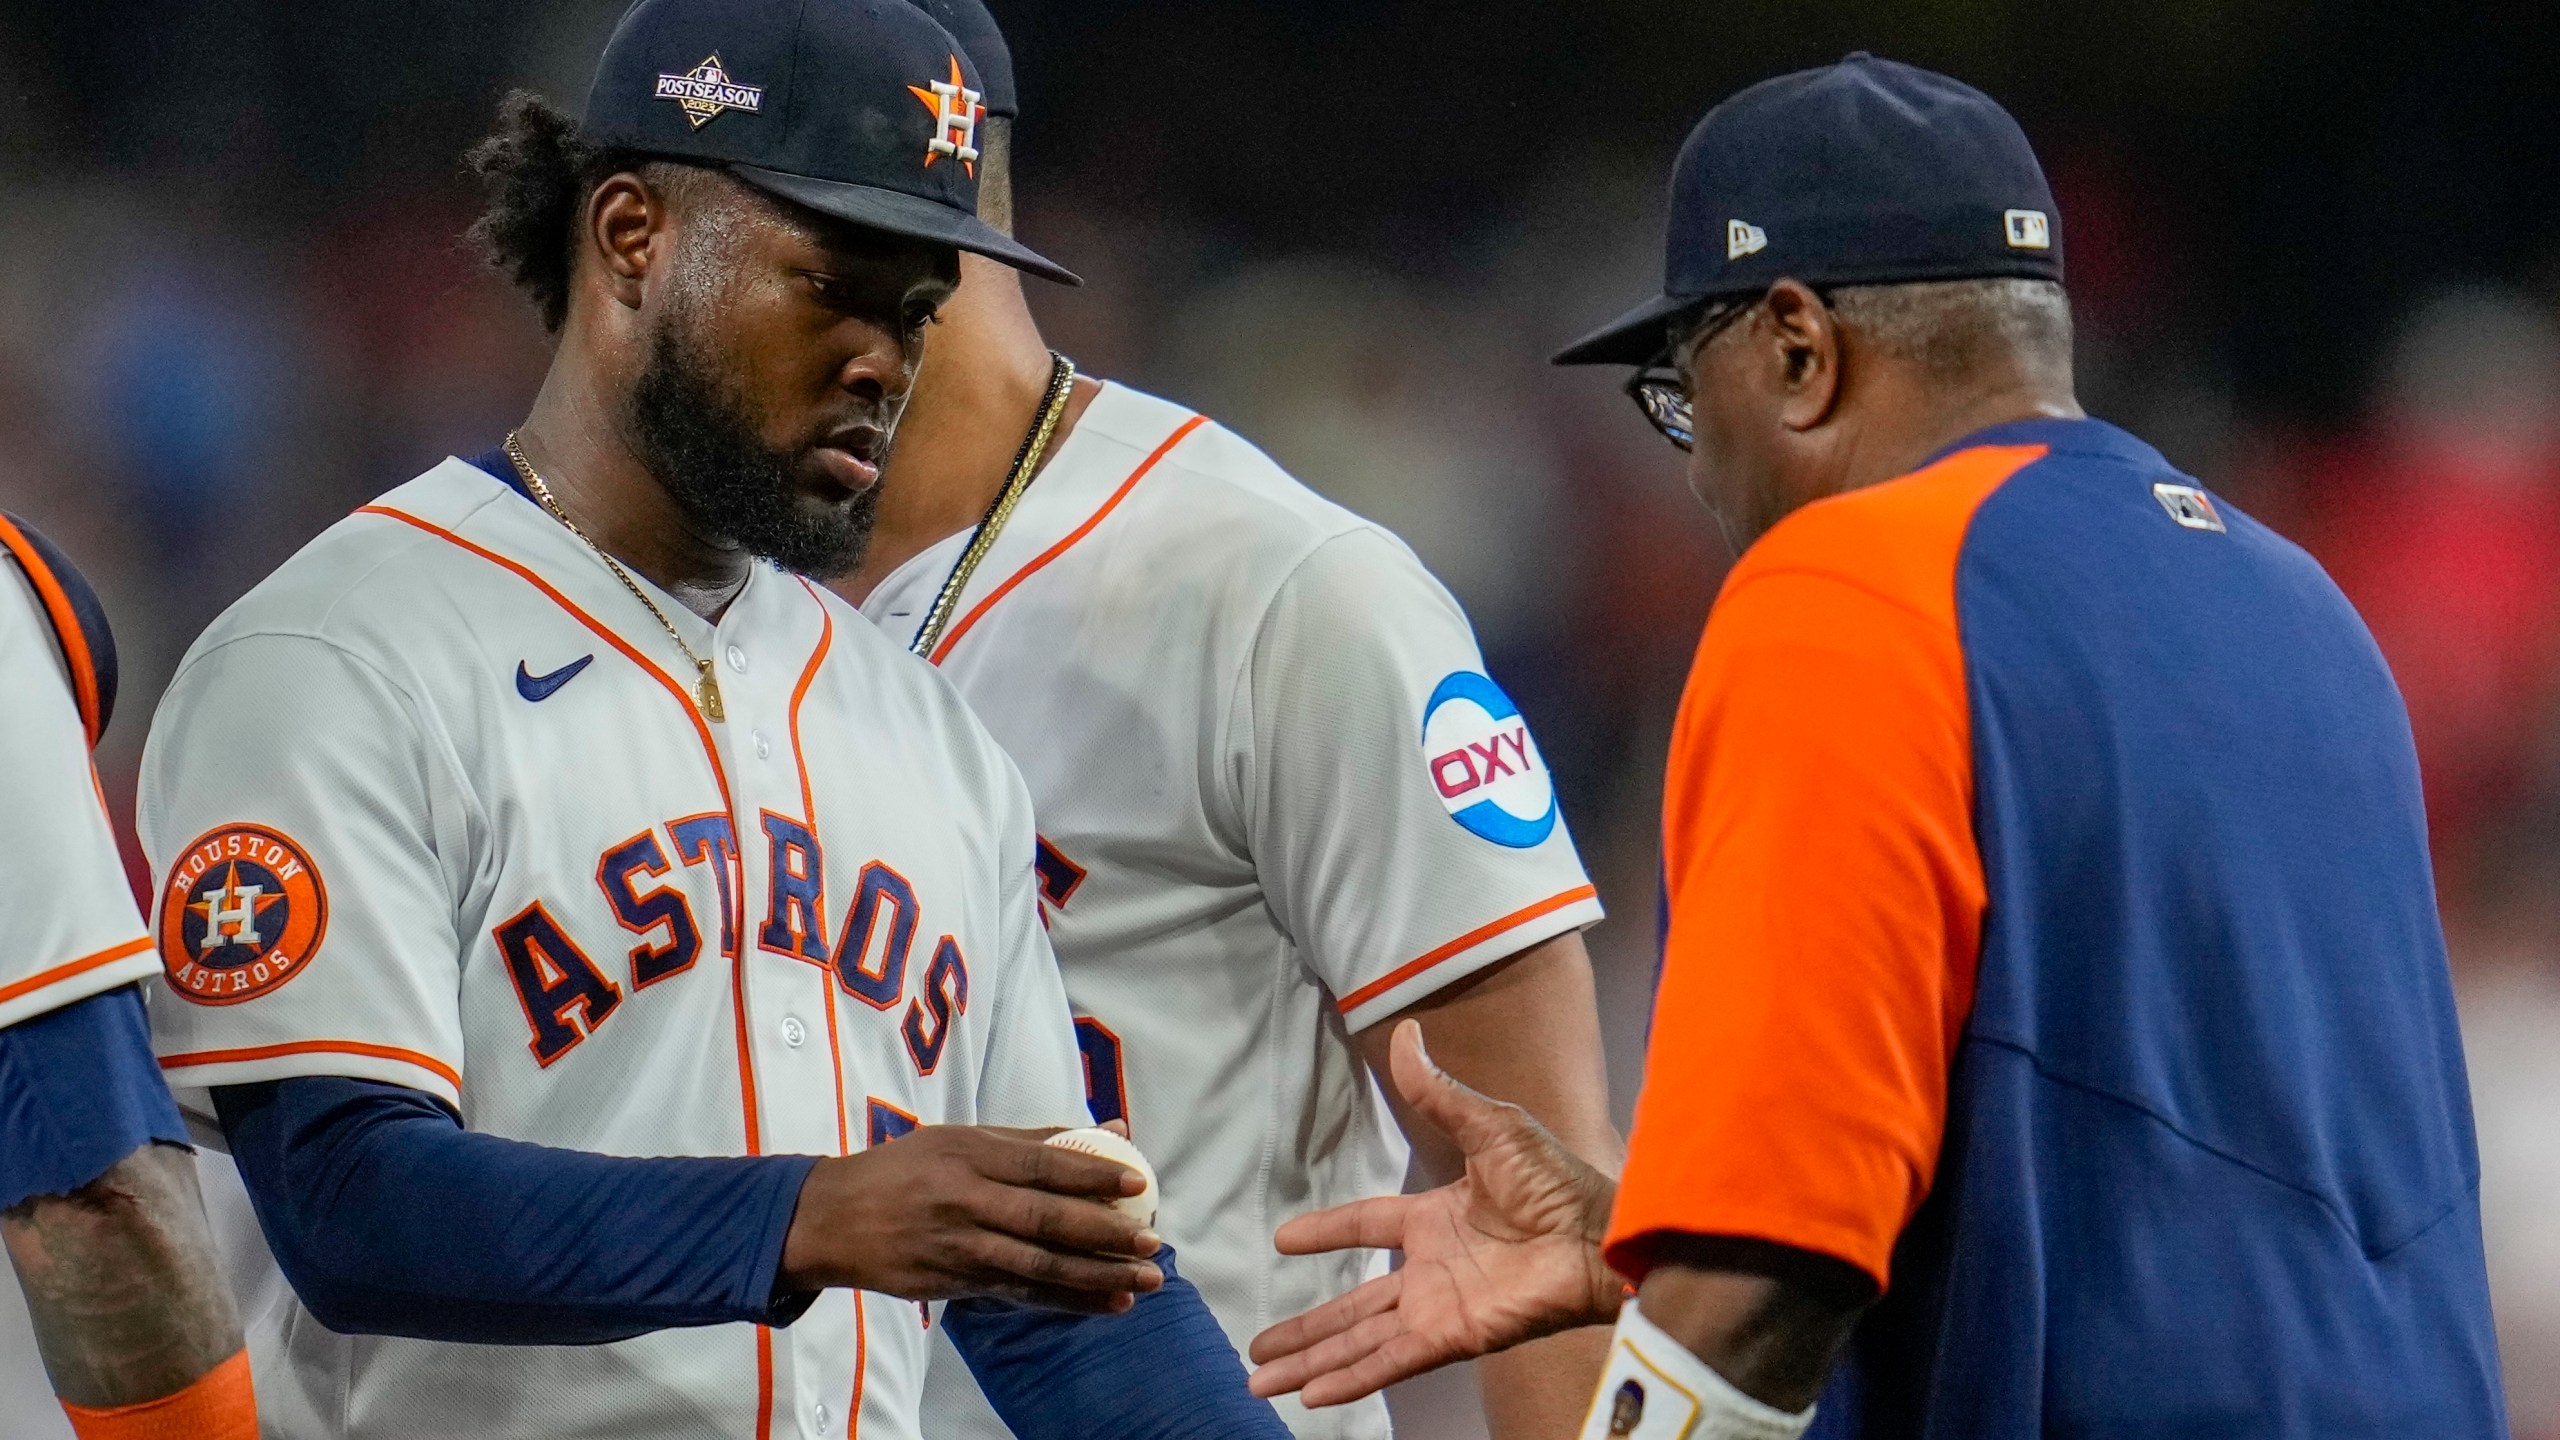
1482 762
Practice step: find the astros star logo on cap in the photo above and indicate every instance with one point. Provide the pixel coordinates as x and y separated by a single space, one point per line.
956 113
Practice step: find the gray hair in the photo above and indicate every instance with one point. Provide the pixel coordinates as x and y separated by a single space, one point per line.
1952 328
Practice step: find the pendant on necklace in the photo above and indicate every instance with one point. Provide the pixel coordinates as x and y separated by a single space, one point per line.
709 693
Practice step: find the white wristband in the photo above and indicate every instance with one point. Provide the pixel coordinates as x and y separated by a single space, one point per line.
1654 1389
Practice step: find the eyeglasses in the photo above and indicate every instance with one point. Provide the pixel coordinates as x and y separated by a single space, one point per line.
1657 387
1659 392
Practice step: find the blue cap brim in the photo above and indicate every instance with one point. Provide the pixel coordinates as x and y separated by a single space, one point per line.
1635 338
916 217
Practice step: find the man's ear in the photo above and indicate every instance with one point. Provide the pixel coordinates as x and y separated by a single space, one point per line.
1806 338
626 232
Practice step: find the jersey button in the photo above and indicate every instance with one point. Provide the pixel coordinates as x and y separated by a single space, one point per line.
793 1032
764 746
737 659
826 1422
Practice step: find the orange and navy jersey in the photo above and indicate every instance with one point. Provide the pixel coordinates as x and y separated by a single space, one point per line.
2051 938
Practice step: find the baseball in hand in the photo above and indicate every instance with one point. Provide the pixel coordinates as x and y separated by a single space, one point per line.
1094 1140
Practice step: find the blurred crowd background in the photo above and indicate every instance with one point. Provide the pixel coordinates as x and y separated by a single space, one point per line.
2314 252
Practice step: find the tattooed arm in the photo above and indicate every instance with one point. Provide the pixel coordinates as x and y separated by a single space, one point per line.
101 1217
99 1210
121 1280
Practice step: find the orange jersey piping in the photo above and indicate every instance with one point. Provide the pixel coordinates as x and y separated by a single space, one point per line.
1041 560
809 817
66 626
69 968
428 1063
1461 945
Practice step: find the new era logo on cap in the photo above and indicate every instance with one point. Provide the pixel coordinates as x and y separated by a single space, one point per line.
1741 238
2028 229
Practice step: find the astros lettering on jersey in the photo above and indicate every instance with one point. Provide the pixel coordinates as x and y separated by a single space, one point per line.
428 807
1280 800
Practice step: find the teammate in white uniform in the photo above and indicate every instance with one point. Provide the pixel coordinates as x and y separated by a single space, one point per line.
122 1300
1280 802
540 913
72 930
475 884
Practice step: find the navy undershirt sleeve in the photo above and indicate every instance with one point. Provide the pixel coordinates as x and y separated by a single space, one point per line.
391 1219
79 1091
1161 1370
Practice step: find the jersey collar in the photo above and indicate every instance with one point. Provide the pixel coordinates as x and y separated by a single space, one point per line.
472 502
697 631
2086 436
498 467
1077 480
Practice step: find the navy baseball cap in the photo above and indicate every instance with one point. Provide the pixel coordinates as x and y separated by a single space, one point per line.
866 110
1868 172
974 27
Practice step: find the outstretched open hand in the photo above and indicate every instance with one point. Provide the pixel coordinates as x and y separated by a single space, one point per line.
1504 1254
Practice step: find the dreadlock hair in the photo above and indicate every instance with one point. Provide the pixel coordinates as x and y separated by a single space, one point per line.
537 172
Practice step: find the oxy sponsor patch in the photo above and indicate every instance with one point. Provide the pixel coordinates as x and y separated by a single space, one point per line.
1481 761
241 913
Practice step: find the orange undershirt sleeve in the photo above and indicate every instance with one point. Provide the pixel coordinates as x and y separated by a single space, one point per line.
218 1406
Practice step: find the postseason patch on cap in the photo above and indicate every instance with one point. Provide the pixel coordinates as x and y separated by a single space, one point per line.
705 92
1487 770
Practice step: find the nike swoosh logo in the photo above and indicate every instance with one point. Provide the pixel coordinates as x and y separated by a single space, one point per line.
539 688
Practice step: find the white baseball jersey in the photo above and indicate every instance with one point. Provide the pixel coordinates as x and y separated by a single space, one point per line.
434 805
71 929
1279 801
67 914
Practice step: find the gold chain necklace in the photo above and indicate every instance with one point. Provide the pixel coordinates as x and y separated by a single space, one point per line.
707 691
1062 383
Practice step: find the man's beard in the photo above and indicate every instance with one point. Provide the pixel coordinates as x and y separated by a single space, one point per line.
692 431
